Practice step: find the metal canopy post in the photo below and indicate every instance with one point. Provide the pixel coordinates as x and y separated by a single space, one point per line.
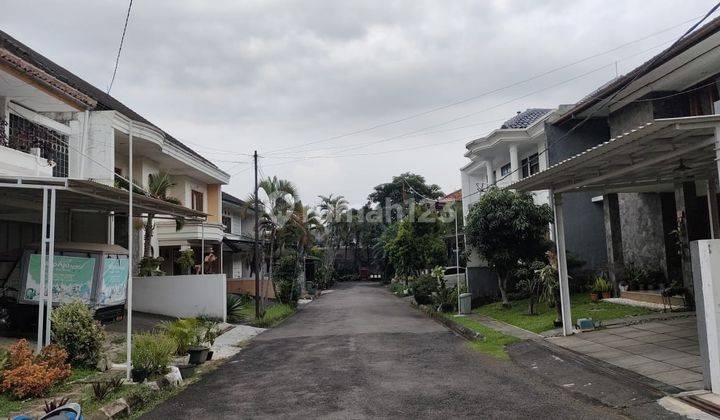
128 332
202 247
43 255
50 267
562 264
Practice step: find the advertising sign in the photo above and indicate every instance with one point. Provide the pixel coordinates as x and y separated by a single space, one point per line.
114 281
72 278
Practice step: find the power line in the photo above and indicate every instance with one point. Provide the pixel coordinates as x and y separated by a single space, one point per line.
597 108
122 39
462 101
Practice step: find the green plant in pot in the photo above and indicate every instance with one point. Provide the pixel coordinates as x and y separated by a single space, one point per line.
151 355
212 331
186 260
602 289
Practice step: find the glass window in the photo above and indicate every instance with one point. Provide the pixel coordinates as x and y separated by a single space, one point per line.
505 169
197 200
530 165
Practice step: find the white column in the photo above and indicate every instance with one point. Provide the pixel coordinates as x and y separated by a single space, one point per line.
490 173
50 268
202 247
111 228
43 256
706 273
514 163
713 208
128 332
562 264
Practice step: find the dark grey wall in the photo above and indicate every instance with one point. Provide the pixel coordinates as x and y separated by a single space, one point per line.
584 220
483 282
643 237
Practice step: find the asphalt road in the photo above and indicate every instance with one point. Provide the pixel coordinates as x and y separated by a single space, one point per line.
360 352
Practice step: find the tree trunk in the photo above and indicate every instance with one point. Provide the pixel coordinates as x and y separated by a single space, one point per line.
502 285
531 305
272 249
147 240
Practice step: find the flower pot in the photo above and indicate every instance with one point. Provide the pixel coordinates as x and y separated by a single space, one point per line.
139 375
209 355
198 355
594 297
606 295
186 371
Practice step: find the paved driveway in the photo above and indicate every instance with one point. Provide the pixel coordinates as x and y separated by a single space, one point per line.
360 352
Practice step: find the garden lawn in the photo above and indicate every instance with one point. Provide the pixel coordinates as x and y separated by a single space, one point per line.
581 305
494 342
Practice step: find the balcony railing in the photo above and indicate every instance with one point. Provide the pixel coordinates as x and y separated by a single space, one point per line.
29 137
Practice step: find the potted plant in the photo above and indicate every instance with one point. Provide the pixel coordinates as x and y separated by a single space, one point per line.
186 260
212 331
186 371
601 289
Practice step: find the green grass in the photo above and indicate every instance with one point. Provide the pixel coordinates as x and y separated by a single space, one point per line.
273 315
581 307
494 342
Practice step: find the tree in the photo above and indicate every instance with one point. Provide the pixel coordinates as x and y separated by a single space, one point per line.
405 188
417 246
507 228
158 187
332 211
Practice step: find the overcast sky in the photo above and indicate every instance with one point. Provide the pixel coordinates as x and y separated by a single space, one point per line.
229 77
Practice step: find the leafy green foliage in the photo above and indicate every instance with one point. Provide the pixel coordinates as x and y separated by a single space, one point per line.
273 315
601 284
416 246
493 343
285 275
152 352
402 189
150 266
424 288
399 288
184 332
75 330
507 227
235 306
186 260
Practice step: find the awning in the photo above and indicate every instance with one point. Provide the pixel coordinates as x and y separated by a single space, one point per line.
664 151
89 195
239 245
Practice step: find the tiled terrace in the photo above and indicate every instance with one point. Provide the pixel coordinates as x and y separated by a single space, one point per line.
666 351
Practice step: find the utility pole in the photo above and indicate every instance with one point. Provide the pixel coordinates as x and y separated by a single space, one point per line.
257 244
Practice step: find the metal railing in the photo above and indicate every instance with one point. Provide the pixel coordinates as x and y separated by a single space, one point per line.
32 138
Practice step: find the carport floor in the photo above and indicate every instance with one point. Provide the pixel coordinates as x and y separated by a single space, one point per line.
666 351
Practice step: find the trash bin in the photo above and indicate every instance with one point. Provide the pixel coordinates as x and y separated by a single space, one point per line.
465 303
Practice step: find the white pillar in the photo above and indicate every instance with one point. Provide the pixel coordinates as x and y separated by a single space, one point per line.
562 264
50 268
128 332
490 173
111 228
713 208
202 247
514 163
43 257
706 274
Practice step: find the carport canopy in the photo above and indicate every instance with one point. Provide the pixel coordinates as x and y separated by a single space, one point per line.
662 151
658 154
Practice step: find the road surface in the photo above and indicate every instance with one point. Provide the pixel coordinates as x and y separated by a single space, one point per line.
360 352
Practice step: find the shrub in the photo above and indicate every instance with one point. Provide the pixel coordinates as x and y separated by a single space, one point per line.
102 389
186 260
29 376
235 305
140 396
285 275
185 332
398 288
74 328
152 352
150 266
423 289
601 285
274 315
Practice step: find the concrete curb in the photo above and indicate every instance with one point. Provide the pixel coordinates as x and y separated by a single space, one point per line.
461 330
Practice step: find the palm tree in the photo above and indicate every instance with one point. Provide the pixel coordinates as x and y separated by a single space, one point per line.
158 187
277 199
332 211
307 223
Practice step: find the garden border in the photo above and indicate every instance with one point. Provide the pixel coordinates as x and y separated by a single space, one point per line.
461 330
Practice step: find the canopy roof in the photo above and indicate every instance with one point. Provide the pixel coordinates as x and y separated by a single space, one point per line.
89 195
663 151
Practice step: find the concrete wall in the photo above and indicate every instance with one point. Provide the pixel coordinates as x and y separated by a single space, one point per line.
16 163
247 287
181 296
584 219
643 238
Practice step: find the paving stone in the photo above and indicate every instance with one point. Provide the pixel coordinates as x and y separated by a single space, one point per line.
677 343
684 333
608 355
643 349
625 342
634 333
656 338
686 362
650 325
697 369
693 350
569 341
692 386
664 355
632 361
600 337
652 367
676 377
592 348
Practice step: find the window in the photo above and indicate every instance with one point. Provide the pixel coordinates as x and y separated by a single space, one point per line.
196 200
505 169
227 221
530 165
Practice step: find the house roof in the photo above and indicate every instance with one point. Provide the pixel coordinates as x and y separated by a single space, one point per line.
104 101
525 119
453 196
232 199
621 82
